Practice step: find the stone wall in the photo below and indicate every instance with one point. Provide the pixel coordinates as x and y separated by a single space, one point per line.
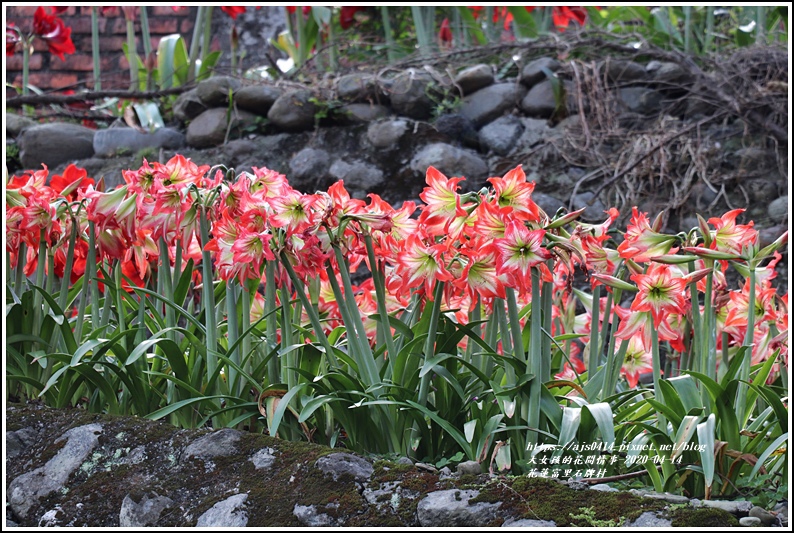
72 468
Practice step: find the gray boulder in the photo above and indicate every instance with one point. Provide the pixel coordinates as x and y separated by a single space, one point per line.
227 513
640 100
410 94
767 518
239 150
18 441
215 90
736 508
26 490
500 136
540 101
309 165
534 130
357 87
750 521
469 467
357 175
340 465
188 106
209 128
256 98
548 203
53 144
16 123
532 73
595 208
111 141
491 102
474 78
623 71
450 161
294 111
309 516
264 458
649 519
386 134
778 209
363 112
527 522
668 72
458 128
144 513
451 508
219 443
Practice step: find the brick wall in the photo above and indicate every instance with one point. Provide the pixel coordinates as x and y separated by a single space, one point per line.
48 72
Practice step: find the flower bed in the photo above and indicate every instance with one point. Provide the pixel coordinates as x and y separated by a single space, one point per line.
203 295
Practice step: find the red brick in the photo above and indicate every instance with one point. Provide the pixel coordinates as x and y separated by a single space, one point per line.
186 26
62 79
80 62
166 11
15 62
49 80
110 62
119 25
111 44
83 24
21 11
163 26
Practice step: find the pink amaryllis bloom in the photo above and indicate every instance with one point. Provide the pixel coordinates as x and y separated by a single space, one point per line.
638 360
641 323
642 242
519 251
514 191
479 275
660 292
442 202
729 236
422 264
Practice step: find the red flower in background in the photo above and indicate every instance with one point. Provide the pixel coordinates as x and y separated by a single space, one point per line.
13 38
563 15
445 33
233 11
291 9
347 15
53 30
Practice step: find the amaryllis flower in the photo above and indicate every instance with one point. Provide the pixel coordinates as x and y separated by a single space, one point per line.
445 33
442 201
520 250
638 360
52 29
422 264
730 237
562 16
13 38
233 11
347 15
73 182
642 242
660 292
480 275
514 191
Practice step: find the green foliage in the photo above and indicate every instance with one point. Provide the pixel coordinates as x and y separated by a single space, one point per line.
586 517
